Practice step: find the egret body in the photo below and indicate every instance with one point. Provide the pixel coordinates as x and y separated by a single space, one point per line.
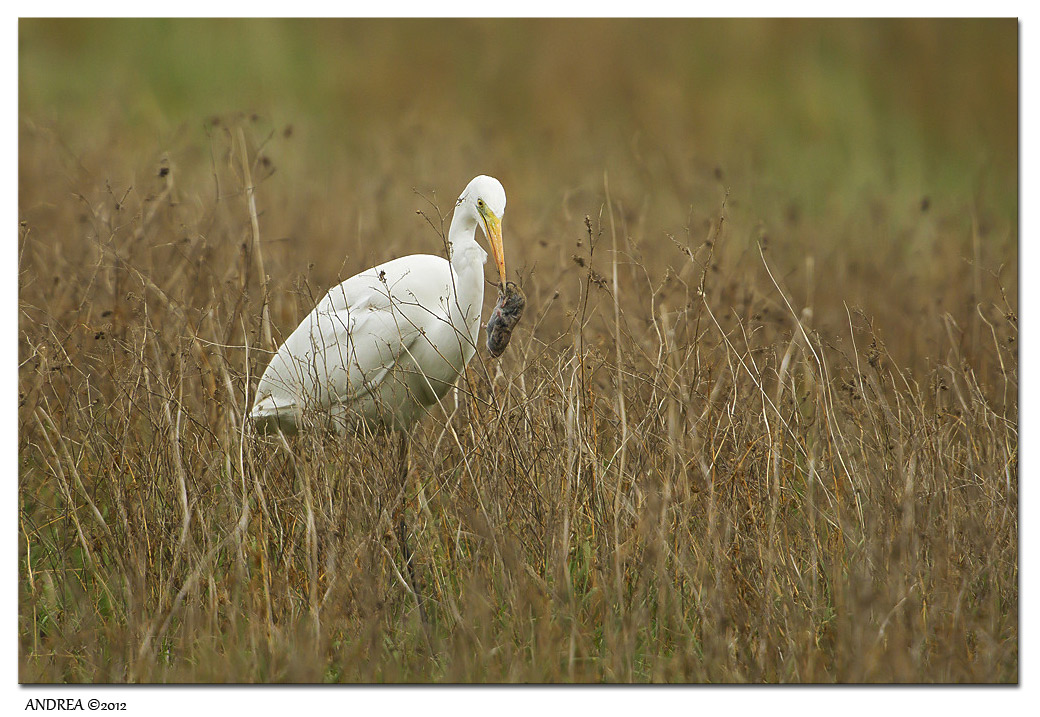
388 343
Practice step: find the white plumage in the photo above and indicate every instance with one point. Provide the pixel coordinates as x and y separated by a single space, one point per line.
389 342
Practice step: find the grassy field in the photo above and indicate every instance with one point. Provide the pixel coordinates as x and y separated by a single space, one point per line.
759 423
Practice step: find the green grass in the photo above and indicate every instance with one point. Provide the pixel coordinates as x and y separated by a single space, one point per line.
780 447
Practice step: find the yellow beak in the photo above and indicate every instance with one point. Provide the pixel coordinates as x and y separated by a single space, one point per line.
493 230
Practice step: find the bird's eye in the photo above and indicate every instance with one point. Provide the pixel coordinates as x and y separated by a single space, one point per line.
480 203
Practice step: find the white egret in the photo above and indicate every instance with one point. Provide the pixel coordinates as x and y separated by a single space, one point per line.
388 343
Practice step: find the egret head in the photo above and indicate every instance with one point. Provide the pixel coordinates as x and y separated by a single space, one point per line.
485 197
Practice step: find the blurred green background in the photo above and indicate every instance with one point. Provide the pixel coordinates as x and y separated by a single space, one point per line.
816 105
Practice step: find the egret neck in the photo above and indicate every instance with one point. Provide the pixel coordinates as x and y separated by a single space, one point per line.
467 260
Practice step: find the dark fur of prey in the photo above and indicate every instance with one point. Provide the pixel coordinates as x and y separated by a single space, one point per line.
504 318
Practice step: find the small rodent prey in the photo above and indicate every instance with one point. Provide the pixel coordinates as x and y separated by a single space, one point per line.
504 318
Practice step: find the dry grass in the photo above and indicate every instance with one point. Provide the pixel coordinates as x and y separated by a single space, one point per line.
739 436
